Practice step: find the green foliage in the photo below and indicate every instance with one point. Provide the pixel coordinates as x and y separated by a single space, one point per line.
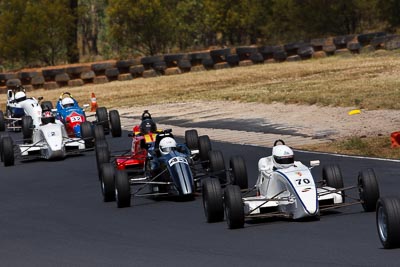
38 32
34 32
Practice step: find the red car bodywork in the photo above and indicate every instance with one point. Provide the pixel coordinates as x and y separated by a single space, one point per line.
137 159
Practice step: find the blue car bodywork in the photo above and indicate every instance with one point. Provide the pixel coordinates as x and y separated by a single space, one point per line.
72 117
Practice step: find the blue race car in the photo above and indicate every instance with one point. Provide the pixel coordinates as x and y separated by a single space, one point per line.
73 116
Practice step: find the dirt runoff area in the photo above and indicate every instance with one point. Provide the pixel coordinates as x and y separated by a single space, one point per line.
261 124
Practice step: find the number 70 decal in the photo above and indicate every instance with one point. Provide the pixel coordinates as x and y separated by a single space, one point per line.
303 181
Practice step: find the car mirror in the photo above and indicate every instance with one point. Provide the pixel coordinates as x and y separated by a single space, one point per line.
85 106
40 98
314 163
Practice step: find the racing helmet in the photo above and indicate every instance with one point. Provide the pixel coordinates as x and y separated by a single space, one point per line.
48 117
166 145
20 96
282 156
67 102
148 126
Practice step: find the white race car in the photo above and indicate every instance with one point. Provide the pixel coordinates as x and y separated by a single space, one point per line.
48 141
18 106
388 221
287 192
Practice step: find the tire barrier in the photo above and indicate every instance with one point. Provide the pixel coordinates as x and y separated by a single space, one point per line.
213 59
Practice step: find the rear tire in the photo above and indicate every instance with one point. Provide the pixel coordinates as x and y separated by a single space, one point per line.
192 139
234 211
332 175
115 122
368 189
107 182
388 221
87 134
212 200
102 119
27 129
8 151
217 165
204 147
122 190
239 172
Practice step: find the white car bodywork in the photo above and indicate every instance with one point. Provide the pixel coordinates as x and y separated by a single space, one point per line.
31 108
289 192
50 141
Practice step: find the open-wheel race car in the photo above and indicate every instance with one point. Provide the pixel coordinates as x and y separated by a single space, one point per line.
18 106
161 168
72 115
286 188
47 141
388 221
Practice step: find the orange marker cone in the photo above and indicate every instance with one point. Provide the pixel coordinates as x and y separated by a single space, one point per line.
93 104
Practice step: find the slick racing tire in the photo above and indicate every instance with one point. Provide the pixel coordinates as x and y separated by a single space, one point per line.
332 175
204 147
212 200
27 129
239 172
115 123
192 139
87 134
122 189
102 119
101 143
7 147
98 131
46 105
217 165
107 182
2 122
368 189
388 221
102 156
1 145
234 211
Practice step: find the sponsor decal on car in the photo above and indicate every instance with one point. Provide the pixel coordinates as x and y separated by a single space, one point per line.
176 160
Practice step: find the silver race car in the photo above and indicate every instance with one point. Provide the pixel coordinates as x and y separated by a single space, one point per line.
286 188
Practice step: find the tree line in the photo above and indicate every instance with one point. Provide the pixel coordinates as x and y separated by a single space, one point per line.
48 32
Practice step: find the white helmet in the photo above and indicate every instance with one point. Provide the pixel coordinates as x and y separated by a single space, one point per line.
167 144
67 102
20 96
282 156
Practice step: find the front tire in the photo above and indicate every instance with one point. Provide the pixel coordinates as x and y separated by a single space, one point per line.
8 151
239 172
217 165
27 129
212 200
204 147
192 139
102 156
368 189
107 182
102 119
234 211
87 134
332 176
98 131
122 190
388 221
115 122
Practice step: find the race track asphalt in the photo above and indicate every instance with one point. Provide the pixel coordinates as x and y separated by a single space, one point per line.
52 214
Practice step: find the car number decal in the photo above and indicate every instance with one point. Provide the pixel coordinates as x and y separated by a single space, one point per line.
76 119
176 160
